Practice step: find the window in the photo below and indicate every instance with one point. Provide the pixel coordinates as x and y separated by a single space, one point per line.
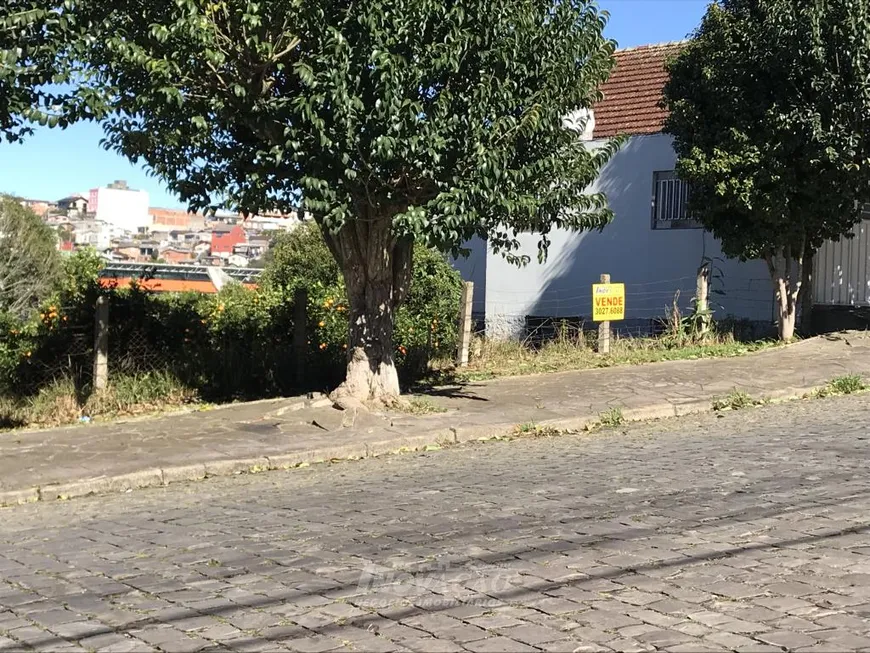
669 202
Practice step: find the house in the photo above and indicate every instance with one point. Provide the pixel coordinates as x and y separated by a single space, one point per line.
94 233
652 245
224 237
175 220
120 206
41 207
237 261
254 248
141 251
274 221
74 205
176 255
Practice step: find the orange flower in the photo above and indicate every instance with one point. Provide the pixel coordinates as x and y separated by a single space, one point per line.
322 346
321 323
344 346
403 350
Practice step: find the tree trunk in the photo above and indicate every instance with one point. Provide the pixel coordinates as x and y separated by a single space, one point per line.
786 272
377 272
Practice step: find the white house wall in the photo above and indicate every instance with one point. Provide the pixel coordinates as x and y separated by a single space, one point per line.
473 268
654 264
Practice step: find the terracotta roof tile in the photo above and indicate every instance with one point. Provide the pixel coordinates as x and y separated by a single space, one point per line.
633 92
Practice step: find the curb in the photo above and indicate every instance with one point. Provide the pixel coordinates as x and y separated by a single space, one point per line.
401 443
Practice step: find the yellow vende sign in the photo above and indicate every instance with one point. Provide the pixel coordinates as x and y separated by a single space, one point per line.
608 302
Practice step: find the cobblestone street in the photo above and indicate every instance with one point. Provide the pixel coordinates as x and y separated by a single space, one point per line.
746 532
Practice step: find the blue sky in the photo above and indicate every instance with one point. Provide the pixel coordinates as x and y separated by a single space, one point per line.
55 163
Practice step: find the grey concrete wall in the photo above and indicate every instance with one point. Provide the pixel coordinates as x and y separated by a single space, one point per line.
654 264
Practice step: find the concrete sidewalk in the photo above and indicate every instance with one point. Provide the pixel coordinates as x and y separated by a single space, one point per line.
281 434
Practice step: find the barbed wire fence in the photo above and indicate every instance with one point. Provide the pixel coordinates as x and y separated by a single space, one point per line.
654 309
65 355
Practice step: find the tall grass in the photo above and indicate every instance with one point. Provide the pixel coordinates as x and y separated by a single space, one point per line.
574 349
61 402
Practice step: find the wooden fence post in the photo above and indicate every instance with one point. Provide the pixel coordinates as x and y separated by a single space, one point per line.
604 327
702 299
465 323
101 343
300 335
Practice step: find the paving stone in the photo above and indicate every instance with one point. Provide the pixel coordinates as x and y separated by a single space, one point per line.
844 639
605 620
314 644
743 627
794 623
757 614
634 597
634 631
629 646
532 634
792 589
98 642
672 607
731 641
693 629
79 629
426 644
844 621
220 632
787 639
664 638
497 645
695 647
463 633
734 590
785 604
556 606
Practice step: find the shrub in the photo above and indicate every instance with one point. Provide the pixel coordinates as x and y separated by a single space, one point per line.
235 344
29 262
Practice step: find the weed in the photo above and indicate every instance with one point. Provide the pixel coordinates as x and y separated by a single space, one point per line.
842 385
537 430
734 400
422 406
612 417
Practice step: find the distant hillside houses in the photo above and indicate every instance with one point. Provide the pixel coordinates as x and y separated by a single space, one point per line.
119 222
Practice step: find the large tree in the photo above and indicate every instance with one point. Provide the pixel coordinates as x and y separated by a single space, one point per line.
391 121
770 112
29 261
